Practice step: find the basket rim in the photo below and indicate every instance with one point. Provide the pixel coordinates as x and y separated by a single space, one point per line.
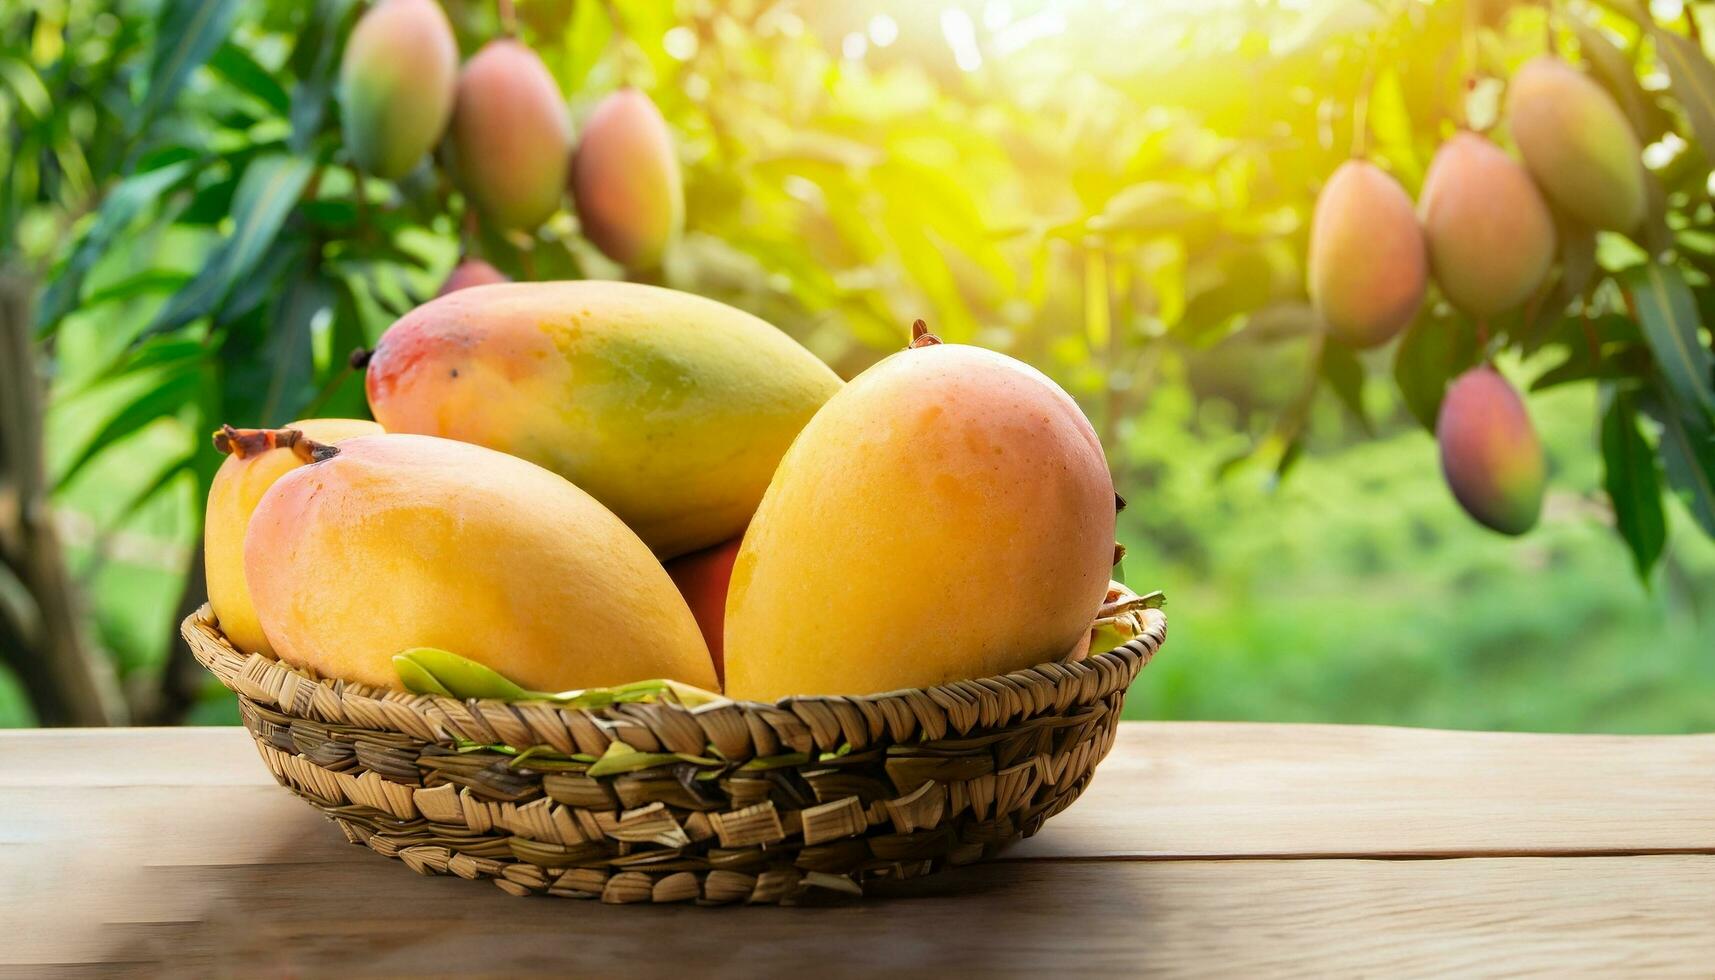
1049 688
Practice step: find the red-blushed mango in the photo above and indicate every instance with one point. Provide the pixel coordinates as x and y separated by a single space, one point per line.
949 514
396 82
702 578
1368 266
1490 452
256 459
670 409
468 273
625 180
1578 144
511 137
403 541
1490 234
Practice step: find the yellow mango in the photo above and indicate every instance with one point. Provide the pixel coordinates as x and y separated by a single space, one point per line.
670 409
948 514
253 464
403 541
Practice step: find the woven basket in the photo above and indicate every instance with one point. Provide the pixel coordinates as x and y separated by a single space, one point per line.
727 802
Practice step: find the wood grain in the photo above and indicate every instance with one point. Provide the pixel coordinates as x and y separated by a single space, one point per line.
172 851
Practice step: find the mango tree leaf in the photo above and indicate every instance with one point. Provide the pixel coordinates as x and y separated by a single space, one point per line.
175 388
1614 70
1432 352
186 33
315 63
1577 268
1629 475
1667 312
1345 377
267 193
124 203
233 63
1688 457
1693 79
288 348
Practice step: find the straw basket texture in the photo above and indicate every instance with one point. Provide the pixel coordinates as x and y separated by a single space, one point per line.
725 802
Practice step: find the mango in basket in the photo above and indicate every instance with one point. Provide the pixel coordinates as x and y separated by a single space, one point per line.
702 578
670 409
393 542
948 514
255 459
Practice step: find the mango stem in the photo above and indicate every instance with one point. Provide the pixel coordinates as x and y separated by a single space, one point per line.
921 337
251 442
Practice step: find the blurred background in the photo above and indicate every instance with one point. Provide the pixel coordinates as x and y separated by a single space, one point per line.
1116 192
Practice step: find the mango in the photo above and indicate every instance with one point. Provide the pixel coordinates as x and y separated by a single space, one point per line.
1490 452
949 514
1578 144
625 180
511 137
471 272
1490 234
702 578
256 459
401 541
1367 263
396 82
670 409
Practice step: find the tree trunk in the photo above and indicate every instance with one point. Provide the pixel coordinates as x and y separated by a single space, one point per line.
43 636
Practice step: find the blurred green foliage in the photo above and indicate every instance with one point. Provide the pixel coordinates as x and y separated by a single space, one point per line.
1117 193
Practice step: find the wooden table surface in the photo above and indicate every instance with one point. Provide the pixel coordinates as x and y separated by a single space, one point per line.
1200 849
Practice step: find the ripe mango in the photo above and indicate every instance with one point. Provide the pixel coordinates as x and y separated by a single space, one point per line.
1578 144
1368 266
949 514
1490 453
670 409
257 458
471 272
511 138
1490 234
396 83
402 541
702 578
625 180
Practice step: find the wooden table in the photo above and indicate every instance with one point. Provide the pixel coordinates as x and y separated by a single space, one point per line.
1201 849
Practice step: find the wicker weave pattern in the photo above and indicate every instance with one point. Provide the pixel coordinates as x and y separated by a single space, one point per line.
728 802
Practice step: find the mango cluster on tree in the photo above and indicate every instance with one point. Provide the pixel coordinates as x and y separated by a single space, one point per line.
505 135
1487 230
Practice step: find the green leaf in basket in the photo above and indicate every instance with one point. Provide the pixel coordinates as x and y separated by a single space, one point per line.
775 761
634 692
1106 638
416 679
459 676
621 757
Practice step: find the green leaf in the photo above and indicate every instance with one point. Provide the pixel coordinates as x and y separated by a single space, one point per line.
186 33
267 193
169 395
417 678
1693 79
27 86
1613 68
288 349
461 676
315 62
1345 377
1629 475
1433 350
1688 457
1667 312
123 204
235 64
